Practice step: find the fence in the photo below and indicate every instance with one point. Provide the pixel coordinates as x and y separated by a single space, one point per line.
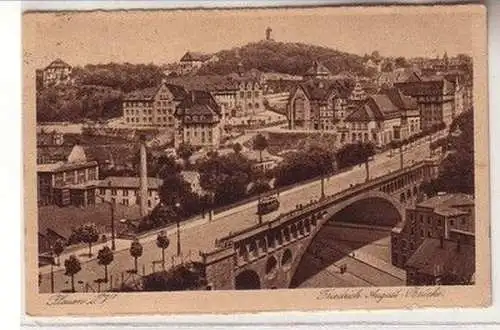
127 280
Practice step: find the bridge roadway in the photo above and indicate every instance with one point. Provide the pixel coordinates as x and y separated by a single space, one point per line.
201 235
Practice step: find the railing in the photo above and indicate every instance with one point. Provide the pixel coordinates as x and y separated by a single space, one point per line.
311 207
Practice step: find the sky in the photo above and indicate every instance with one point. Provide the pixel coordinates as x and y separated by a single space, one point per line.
164 36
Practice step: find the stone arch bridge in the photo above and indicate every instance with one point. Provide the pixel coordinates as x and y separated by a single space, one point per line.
266 256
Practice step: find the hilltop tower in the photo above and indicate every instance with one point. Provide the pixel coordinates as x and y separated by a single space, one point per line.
268 33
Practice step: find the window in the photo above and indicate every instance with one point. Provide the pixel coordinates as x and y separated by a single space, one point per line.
256 93
249 94
113 191
242 94
102 191
150 193
421 233
149 203
125 192
429 233
125 201
113 200
452 222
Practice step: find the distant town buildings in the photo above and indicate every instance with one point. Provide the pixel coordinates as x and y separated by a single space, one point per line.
445 216
57 72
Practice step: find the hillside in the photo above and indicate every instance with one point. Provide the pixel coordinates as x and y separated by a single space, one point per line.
290 58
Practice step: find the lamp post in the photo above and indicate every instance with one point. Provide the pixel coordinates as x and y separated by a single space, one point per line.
177 217
112 208
52 272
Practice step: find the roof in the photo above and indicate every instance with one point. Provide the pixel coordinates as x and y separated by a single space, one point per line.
317 70
63 166
147 94
448 200
400 100
321 89
449 212
128 182
376 107
429 86
62 220
211 83
198 107
433 260
58 63
195 56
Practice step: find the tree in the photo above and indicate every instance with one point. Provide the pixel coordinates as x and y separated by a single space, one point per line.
368 150
72 266
58 249
166 166
401 62
260 143
88 234
185 151
237 147
105 257
162 242
135 251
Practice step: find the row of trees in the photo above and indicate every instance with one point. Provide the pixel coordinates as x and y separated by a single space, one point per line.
105 257
456 171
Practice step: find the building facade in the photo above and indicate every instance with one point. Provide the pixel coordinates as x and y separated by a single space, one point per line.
435 97
198 121
438 217
57 72
68 183
194 60
318 104
125 191
152 107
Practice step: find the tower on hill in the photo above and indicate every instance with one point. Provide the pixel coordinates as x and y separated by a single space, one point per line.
268 33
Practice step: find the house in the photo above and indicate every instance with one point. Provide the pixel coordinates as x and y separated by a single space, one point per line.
70 182
125 191
57 72
317 71
58 222
444 216
152 107
194 60
268 161
435 97
441 262
53 138
318 104
198 121
408 107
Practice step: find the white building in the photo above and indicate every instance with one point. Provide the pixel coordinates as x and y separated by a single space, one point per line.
125 191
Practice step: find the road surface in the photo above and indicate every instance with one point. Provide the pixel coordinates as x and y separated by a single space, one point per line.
201 235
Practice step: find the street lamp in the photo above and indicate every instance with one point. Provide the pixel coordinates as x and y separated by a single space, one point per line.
177 218
112 208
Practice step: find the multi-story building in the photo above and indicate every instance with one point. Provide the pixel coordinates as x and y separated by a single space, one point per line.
198 121
194 60
410 115
71 182
125 191
442 216
153 107
57 72
435 97
318 104
249 96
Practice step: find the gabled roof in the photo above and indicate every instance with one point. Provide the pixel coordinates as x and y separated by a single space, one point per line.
131 182
318 70
432 259
376 108
198 107
148 94
195 56
321 89
58 63
399 99
448 200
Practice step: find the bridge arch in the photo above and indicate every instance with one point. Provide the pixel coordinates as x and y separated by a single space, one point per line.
247 280
366 204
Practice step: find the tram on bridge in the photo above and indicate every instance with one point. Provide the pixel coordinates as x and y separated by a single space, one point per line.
267 204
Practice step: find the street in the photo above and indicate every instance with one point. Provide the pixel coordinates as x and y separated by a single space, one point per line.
200 236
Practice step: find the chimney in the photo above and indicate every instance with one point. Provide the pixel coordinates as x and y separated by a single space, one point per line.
143 177
441 242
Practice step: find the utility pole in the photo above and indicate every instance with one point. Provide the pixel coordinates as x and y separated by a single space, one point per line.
113 246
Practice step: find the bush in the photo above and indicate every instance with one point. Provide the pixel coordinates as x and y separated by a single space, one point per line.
190 276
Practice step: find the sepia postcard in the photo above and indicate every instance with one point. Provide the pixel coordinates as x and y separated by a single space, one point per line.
247 160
